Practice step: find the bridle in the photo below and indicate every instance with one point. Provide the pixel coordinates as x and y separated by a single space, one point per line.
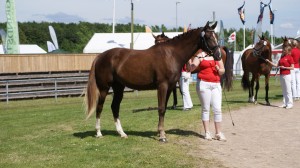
258 52
211 49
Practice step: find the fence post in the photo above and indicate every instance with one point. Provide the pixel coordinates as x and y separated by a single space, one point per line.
55 87
7 99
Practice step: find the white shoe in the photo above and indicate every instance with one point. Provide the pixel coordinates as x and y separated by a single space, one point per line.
282 106
208 136
289 107
220 136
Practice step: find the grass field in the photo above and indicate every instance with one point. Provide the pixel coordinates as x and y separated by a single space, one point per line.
49 133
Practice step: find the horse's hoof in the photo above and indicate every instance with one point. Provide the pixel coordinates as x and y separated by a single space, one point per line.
124 136
255 102
164 140
99 136
268 104
173 107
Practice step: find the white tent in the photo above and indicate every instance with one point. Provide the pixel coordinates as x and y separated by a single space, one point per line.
101 42
27 49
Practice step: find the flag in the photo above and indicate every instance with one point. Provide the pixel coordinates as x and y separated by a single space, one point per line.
221 34
184 29
12 38
3 38
190 27
241 11
148 29
261 15
50 46
272 16
232 37
53 37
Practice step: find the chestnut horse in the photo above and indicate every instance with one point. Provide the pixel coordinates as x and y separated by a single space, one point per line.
157 67
253 61
288 42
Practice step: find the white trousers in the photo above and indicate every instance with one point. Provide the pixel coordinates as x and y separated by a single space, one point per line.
295 82
185 89
286 86
210 94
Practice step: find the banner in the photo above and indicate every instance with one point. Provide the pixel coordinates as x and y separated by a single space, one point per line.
221 34
50 46
148 29
261 14
272 16
3 38
241 11
232 37
53 37
12 37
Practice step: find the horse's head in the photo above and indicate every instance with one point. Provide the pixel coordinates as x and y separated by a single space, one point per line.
160 38
286 42
209 41
262 46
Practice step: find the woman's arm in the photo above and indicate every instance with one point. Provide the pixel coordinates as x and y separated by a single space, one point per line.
220 67
194 63
273 64
290 68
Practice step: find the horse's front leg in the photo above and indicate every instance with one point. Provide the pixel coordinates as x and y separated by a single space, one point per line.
267 77
162 95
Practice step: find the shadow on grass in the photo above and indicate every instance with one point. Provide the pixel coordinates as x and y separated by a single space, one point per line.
147 134
178 108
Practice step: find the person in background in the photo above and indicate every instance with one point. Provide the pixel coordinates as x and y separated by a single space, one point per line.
185 89
286 64
295 53
209 91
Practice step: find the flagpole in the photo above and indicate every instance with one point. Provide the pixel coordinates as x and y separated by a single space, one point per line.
272 42
114 15
244 36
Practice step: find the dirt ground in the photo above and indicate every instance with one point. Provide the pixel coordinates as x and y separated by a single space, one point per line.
263 137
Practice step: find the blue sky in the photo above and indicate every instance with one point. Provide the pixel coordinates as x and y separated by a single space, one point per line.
158 12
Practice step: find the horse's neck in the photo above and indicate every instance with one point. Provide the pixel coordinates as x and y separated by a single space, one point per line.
186 46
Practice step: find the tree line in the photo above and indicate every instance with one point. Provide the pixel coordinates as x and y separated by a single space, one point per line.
73 37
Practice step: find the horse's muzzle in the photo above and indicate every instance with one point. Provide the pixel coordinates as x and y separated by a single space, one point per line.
217 54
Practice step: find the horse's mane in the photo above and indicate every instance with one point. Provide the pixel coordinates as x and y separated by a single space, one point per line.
180 36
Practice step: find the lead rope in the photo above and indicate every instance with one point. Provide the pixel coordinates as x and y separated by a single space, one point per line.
227 104
228 108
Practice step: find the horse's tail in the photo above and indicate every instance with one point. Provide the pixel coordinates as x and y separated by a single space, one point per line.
91 92
245 82
245 78
228 69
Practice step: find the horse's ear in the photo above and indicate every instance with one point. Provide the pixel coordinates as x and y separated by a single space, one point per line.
214 25
259 36
153 35
207 25
163 33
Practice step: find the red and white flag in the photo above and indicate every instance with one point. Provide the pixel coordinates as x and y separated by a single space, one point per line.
232 37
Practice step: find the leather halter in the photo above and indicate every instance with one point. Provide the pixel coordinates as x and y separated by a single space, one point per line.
210 50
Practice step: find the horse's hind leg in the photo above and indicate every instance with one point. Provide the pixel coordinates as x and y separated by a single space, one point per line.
115 107
99 109
256 90
251 92
163 95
